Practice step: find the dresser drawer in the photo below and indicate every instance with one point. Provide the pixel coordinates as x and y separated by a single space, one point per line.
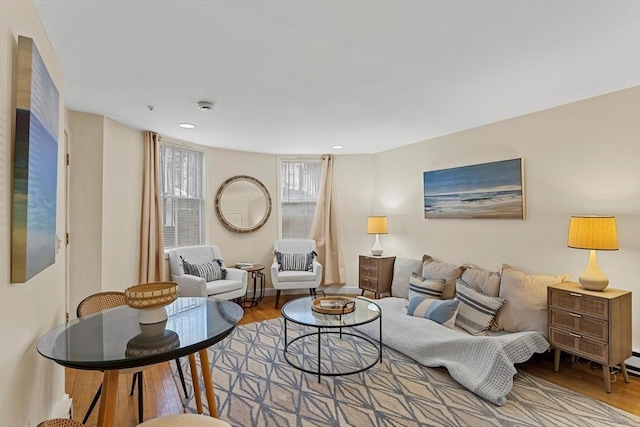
594 328
579 303
579 345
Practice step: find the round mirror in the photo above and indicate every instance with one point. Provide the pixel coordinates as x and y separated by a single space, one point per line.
243 204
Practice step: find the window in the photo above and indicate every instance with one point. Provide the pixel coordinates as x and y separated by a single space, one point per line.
181 176
300 186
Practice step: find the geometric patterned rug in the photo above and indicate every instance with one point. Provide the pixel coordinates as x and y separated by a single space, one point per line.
255 386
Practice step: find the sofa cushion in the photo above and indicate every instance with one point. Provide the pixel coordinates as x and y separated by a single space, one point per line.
402 269
295 261
432 269
526 300
483 281
209 271
476 311
440 311
421 287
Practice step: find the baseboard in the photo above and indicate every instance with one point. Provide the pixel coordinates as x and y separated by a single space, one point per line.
63 408
333 290
633 363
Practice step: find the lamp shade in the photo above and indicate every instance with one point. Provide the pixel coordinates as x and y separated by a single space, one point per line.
593 232
377 225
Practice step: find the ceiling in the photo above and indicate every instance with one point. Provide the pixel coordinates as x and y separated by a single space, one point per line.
299 77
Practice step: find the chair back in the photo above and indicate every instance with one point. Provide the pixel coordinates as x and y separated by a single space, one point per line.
294 245
100 301
193 254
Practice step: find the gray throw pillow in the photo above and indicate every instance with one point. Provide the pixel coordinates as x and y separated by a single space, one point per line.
209 271
295 261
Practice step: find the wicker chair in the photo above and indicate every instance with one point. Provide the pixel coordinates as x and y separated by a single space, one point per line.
102 301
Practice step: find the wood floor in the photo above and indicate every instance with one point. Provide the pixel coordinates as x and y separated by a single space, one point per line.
161 395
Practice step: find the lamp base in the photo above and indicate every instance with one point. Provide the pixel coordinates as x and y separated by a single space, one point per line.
377 250
592 278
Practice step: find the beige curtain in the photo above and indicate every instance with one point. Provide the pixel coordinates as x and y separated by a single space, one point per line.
151 237
325 229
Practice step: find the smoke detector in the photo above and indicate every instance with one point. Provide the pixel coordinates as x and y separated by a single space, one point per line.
205 105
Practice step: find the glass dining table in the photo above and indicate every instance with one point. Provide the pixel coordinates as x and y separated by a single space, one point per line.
114 339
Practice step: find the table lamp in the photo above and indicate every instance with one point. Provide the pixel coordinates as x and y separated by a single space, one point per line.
593 233
377 225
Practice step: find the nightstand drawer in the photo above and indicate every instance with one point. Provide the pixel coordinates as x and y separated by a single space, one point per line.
579 345
369 284
579 303
594 328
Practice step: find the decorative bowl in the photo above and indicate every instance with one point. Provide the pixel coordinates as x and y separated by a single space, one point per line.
150 299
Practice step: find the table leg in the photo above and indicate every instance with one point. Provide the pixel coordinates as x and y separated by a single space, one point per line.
607 378
208 383
623 369
107 411
556 359
195 382
319 354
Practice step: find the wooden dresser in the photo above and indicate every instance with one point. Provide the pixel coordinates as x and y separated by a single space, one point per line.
375 274
593 325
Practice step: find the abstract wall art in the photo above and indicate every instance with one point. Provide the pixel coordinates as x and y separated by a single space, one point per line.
488 190
33 233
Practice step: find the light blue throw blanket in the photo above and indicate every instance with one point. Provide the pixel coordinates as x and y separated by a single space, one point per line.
482 364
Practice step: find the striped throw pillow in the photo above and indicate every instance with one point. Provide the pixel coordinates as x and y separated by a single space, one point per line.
441 311
209 271
295 261
476 311
421 287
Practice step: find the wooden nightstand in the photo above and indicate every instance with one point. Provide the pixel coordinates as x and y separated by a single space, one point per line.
589 324
376 274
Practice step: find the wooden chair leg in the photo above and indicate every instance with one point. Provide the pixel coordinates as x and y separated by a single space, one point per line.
277 298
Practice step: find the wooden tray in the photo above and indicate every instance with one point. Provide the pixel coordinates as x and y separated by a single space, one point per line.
345 305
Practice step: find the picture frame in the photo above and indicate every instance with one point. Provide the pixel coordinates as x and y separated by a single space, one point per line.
488 190
33 227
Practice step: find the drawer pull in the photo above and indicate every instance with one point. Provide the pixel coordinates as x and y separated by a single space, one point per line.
575 315
573 294
575 335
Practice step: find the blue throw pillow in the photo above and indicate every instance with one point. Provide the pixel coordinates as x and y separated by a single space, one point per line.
441 311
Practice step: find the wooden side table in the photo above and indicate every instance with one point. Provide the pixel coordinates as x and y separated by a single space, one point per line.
376 274
256 273
591 324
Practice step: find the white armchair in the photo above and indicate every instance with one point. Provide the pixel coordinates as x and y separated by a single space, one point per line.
234 286
295 279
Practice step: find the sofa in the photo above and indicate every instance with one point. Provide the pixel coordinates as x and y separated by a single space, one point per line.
205 261
476 323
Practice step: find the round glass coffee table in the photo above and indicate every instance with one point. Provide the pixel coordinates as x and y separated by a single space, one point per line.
333 347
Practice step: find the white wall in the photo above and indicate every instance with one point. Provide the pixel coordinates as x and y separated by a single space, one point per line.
105 207
121 205
580 158
31 386
85 206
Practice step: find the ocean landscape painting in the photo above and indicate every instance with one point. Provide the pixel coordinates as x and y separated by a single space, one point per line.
33 230
488 190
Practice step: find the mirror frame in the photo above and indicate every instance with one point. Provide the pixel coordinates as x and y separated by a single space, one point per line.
221 217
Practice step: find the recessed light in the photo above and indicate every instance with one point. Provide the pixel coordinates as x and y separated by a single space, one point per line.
338 147
186 125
